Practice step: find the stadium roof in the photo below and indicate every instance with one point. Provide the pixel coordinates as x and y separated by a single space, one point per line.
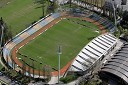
118 64
93 51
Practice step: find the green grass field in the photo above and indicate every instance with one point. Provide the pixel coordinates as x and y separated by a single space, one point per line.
70 36
19 14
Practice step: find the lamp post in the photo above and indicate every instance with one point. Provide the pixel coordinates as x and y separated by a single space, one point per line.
59 53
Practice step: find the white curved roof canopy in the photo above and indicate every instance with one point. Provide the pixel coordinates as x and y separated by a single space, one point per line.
93 51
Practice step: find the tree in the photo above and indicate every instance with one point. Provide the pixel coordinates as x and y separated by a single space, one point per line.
52 6
70 2
43 5
124 22
47 72
5 32
125 16
48 4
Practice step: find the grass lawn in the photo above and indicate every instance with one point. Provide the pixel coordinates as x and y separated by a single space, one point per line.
19 14
70 36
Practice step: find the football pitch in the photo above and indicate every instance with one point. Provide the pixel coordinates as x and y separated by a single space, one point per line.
71 34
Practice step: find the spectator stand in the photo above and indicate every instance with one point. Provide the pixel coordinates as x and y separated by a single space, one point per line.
108 25
89 56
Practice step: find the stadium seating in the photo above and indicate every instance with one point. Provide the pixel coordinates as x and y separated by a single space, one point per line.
55 15
31 31
103 21
49 19
95 17
43 23
17 40
93 51
24 35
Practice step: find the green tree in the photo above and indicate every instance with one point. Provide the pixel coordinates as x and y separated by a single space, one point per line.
124 22
43 5
48 6
5 32
47 72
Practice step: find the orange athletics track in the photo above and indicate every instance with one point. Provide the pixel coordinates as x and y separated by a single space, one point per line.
36 72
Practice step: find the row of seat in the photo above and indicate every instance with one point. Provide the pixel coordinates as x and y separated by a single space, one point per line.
103 21
93 51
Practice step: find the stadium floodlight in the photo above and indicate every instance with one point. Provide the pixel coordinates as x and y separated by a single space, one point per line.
59 53
114 10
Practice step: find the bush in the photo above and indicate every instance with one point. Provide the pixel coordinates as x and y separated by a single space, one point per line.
68 78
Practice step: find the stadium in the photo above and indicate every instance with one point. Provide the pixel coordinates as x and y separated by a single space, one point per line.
30 31
82 40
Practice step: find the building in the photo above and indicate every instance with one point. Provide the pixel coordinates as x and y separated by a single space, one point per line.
116 68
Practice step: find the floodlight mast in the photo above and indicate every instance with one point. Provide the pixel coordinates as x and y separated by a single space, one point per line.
114 10
59 53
